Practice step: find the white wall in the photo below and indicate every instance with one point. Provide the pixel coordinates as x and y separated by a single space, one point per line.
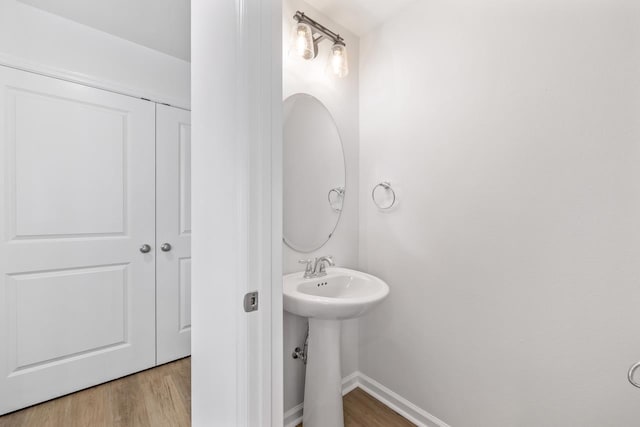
511 131
37 37
340 96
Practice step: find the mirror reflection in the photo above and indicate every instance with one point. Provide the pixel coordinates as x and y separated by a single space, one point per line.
314 173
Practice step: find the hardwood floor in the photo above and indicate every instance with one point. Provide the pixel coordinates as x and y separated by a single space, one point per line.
161 397
157 397
362 410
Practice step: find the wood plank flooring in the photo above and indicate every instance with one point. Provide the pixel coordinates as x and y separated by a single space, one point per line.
362 410
161 397
158 397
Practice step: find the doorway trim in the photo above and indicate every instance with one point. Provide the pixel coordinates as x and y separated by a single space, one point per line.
237 212
22 64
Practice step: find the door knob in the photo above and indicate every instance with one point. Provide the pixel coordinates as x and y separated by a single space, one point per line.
166 247
145 248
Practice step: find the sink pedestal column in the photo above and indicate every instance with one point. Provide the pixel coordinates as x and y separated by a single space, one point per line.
323 381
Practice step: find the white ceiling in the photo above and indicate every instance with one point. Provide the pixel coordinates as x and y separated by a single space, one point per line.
163 25
359 16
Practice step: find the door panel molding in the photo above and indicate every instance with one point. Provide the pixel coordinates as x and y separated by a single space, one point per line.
76 295
184 304
185 177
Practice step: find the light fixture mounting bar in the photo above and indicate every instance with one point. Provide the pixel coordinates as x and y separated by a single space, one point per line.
319 28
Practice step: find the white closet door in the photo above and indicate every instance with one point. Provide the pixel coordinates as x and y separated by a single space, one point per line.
76 204
173 216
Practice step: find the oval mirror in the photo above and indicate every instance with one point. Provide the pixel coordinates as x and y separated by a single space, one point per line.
314 173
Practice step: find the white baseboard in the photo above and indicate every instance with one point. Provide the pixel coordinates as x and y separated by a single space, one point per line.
398 403
293 416
393 400
350 382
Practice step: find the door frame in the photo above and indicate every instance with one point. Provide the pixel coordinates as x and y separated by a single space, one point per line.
236 97
95 82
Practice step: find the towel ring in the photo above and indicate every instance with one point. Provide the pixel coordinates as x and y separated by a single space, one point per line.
387 186
340 193
630 375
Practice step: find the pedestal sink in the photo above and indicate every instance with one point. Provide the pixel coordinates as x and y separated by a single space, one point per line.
326 301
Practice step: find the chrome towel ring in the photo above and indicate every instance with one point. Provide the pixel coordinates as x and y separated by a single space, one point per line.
632 370
339 197
387 186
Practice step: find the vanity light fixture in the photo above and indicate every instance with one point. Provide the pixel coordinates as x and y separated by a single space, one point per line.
338 60
302 41
305 37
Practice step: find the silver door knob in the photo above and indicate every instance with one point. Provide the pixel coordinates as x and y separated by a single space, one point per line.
166 247
145 248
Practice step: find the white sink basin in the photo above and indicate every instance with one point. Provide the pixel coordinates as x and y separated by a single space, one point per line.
341 294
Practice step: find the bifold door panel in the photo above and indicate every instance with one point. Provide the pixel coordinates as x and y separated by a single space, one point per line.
173 193
77 293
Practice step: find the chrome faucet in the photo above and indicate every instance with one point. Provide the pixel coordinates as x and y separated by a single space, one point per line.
316 267
320 269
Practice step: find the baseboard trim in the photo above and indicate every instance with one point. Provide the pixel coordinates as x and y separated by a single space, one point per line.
293 416
393 400
350 382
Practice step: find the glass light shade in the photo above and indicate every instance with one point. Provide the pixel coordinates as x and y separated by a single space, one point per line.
302 41
338 60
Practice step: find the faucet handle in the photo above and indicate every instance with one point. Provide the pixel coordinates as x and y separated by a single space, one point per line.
308 270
